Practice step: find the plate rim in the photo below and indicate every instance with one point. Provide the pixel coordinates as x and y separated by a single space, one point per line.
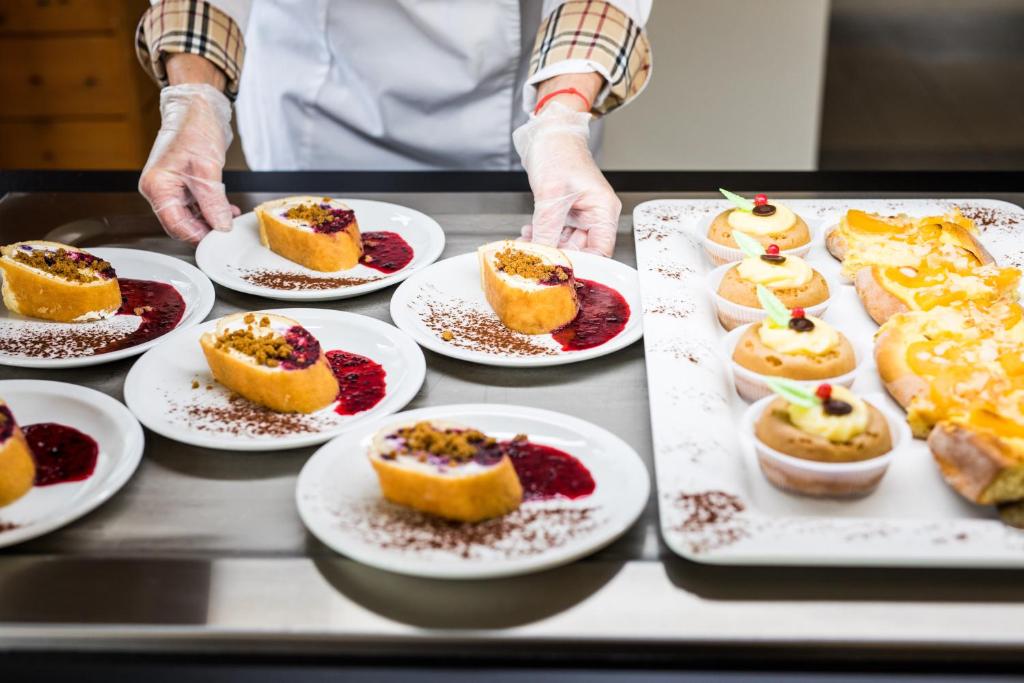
438 242
406 321
119 476
206 300
500 569
417 368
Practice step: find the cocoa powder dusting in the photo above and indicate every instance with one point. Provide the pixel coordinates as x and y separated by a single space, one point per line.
524 532
460 324
285 280
712 519
7 526
59 340
239 417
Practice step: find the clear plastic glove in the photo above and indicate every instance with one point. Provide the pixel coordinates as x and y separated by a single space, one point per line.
574 206
183 177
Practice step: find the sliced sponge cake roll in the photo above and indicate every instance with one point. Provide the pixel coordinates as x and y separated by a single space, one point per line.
445 469
319 233
17 469
530 286
270 360
57 282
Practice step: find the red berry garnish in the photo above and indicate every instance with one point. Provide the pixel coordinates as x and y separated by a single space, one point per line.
824 392
799 313
772 250
760 199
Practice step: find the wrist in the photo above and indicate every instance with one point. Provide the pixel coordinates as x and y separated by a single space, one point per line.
183 68
582 89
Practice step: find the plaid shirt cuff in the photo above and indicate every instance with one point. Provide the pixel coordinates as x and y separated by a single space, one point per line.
588 36
194 27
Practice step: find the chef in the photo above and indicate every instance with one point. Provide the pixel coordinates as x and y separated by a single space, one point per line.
393 85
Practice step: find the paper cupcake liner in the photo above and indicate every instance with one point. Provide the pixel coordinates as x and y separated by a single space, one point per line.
732 315
826 479
719 254
752 386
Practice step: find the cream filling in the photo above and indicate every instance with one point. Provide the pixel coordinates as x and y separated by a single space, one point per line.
794 272
746 221
835 428
819 341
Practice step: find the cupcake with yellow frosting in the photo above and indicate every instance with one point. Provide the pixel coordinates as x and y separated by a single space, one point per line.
764 221
825 441
790 278
788 344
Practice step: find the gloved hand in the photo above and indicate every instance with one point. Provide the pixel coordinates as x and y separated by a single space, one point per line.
574 206
182 178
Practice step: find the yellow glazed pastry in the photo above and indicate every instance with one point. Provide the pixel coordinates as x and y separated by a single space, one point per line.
446 470
319 233
530 286
862 239
270 360
57 282
17 468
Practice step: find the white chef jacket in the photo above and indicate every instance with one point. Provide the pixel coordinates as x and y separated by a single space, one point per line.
391 84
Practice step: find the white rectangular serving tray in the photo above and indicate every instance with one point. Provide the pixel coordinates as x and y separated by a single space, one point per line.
715 505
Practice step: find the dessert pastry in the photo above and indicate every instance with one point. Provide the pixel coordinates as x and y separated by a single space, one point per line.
825 435
934 362
793 345
888 290
530 286
446 470
319 233
17 468
56 282
863 239
767 223
270 360
981 454
790 278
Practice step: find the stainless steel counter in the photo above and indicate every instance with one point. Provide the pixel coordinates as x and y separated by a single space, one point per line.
203 550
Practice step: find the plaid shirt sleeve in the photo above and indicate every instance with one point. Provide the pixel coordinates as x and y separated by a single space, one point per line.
194 27
587 36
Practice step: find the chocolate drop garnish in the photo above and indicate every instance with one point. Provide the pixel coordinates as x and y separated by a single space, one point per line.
834 406
774 259
764 210
801 324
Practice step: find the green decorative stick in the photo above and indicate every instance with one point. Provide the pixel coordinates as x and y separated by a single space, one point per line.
748 245
776 310
793 392
742 203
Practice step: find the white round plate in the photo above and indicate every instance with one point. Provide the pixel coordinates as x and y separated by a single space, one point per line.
194 287
228 256
339 501
159 387
120 439
448 293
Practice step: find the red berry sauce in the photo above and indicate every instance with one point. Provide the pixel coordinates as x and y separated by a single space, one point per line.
385 251
360 380
547 472
61 453
305 348
340 220
6 423
158 304
603 314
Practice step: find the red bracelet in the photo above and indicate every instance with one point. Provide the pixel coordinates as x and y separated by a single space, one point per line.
563 91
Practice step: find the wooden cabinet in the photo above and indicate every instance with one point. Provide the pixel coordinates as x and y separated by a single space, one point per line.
72 94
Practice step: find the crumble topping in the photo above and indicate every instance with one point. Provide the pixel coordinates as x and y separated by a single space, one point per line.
529 266
323 218
71 265
454 444
267 350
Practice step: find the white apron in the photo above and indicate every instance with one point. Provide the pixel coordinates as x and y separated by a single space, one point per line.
385 84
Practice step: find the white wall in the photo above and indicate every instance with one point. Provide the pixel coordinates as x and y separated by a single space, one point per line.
736 86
